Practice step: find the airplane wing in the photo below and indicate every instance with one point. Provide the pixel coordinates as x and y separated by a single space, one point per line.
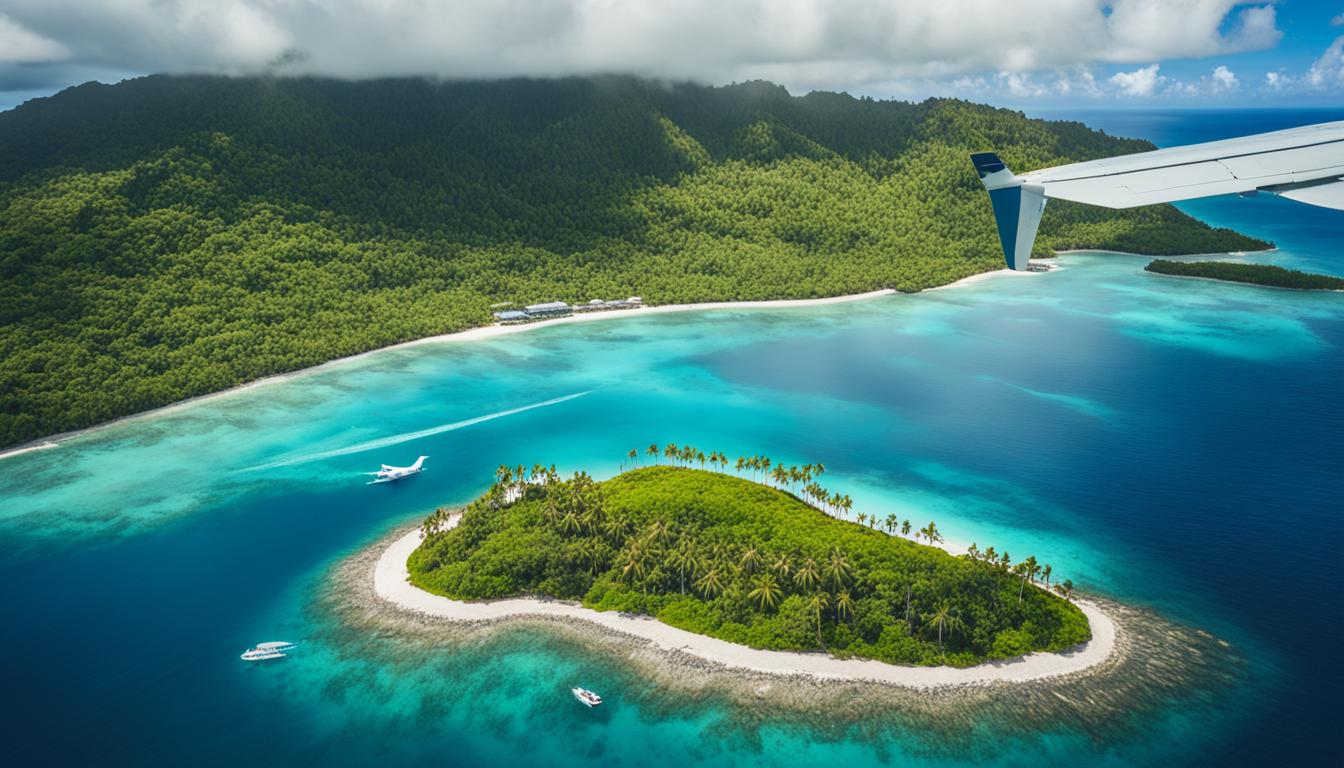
1304 164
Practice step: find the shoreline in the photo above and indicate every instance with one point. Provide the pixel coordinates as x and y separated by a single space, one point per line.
479 333
391 584
1244 282
495 330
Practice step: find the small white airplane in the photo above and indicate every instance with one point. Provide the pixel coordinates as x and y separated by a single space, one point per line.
1304 164
388 473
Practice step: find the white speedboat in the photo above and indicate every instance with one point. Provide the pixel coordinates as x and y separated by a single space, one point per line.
587 697
264 651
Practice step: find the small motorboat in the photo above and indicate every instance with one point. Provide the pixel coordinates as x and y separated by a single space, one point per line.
264 651
587 697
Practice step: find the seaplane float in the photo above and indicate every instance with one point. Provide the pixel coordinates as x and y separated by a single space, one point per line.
388 473
265 651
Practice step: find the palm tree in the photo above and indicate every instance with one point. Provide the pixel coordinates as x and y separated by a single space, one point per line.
683 559
616 529
973 551
710 584
750 561
503 475
816 604
1065 588
942 618
861 519
652 450
765 591
632 566
818 469
633 455
741 462
1004 560
658 532
570 523
891 522
783 567
807 576
591 550
1045 573
779 474
991 556
905 528
838 568
844 605
670 451
931 533
1030 568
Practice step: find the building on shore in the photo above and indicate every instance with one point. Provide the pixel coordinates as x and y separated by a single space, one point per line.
547 309
560 309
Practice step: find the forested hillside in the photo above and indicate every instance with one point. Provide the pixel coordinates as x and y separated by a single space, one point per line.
172 236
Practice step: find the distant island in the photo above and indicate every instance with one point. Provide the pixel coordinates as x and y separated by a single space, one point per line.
751 557
169 237
1253 274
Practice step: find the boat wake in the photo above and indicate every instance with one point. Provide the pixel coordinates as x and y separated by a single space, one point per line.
384 442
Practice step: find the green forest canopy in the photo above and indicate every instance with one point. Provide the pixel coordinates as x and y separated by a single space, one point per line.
1255 274
172 236
727 557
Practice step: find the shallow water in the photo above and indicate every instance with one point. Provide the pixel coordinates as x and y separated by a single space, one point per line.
1170 443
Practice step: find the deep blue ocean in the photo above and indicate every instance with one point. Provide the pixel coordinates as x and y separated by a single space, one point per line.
1174 444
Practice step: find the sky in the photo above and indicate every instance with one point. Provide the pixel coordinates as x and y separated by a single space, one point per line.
1025 53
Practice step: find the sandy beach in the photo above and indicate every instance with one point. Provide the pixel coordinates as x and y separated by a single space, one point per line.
476 334
391 583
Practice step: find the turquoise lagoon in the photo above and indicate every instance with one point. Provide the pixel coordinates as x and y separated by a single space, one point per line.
1173 444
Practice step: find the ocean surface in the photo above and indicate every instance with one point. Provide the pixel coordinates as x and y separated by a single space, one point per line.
1175 444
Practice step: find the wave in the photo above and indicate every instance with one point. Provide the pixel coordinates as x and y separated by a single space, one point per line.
384 442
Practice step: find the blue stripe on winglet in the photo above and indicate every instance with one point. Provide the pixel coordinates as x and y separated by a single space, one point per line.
1007 205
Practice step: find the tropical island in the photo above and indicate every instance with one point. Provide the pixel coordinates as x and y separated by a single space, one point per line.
751 557
1252 274
169 237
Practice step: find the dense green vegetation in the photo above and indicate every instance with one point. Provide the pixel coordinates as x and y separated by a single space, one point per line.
1256 274
738 560
172 236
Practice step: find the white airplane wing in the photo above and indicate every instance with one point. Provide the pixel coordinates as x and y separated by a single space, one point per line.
1304 164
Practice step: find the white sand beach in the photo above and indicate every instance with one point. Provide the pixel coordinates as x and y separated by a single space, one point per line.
488 332
391 582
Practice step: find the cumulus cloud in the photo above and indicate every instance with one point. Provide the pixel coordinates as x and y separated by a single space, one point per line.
1141 82
1223 80
1338 21
1327 72
801 43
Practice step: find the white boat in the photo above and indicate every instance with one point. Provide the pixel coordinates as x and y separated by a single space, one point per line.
587 697
264 651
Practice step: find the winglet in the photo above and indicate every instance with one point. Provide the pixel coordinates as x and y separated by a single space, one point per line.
1017 207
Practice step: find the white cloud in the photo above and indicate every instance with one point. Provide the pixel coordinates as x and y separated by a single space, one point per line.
20 46
804 44
1140 82
1223 80
1338 21
1327 72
